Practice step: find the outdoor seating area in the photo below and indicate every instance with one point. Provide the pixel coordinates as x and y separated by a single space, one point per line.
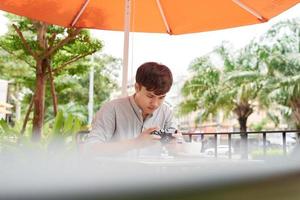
150 99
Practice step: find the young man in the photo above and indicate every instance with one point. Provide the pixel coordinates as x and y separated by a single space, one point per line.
126 123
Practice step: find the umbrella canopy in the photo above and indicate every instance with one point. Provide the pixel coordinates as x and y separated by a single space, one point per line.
157 16
160 16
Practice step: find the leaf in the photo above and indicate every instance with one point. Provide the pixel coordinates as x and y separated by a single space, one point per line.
4 126
68 125
76 126
58 124
7 129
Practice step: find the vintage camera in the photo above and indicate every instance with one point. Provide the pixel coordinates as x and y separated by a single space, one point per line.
165 134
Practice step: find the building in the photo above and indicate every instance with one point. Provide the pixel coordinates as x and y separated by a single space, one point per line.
4 106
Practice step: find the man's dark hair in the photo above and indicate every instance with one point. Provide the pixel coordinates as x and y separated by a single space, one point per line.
154 77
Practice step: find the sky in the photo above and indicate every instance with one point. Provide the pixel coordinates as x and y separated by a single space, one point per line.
177 51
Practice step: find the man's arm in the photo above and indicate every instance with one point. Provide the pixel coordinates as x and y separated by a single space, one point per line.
103 124
99 140
109 148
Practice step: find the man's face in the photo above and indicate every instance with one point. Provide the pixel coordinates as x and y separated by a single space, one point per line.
147 100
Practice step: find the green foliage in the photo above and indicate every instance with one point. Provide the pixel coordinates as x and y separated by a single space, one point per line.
274 118
260 125
70 63
282 47
265 73
60 135
73 90
231 89
65 125
257 154
11 139
202 90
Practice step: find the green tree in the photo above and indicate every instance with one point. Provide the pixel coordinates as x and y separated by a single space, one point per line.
241 82
72 87
47 50
202 91
280 52
233 87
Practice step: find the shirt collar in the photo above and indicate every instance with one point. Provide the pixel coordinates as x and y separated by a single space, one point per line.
137 108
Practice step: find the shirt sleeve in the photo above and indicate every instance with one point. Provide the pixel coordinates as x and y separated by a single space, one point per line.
103 125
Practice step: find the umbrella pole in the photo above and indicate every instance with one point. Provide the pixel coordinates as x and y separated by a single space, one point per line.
91 93
126 47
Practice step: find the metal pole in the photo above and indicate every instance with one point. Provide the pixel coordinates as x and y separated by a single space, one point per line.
265 143
91 93
284 143
126 46
229 146
216 144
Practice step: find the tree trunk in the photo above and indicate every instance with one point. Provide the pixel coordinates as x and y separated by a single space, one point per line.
243 124
244 137
295 104
39 99
43 56
53 93
243 111
41 79
27 115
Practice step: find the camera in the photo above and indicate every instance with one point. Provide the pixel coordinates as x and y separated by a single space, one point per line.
165 134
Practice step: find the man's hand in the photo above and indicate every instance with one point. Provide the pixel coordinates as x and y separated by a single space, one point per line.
146 138
114 148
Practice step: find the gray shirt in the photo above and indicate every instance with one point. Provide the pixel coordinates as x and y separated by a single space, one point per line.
122 119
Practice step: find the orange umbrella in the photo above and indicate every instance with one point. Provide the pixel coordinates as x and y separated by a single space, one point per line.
160 16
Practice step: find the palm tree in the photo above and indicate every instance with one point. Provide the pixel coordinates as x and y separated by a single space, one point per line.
233 89
281 47
202 90
240 83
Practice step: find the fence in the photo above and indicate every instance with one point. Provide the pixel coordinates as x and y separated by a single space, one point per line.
244 141
241 144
